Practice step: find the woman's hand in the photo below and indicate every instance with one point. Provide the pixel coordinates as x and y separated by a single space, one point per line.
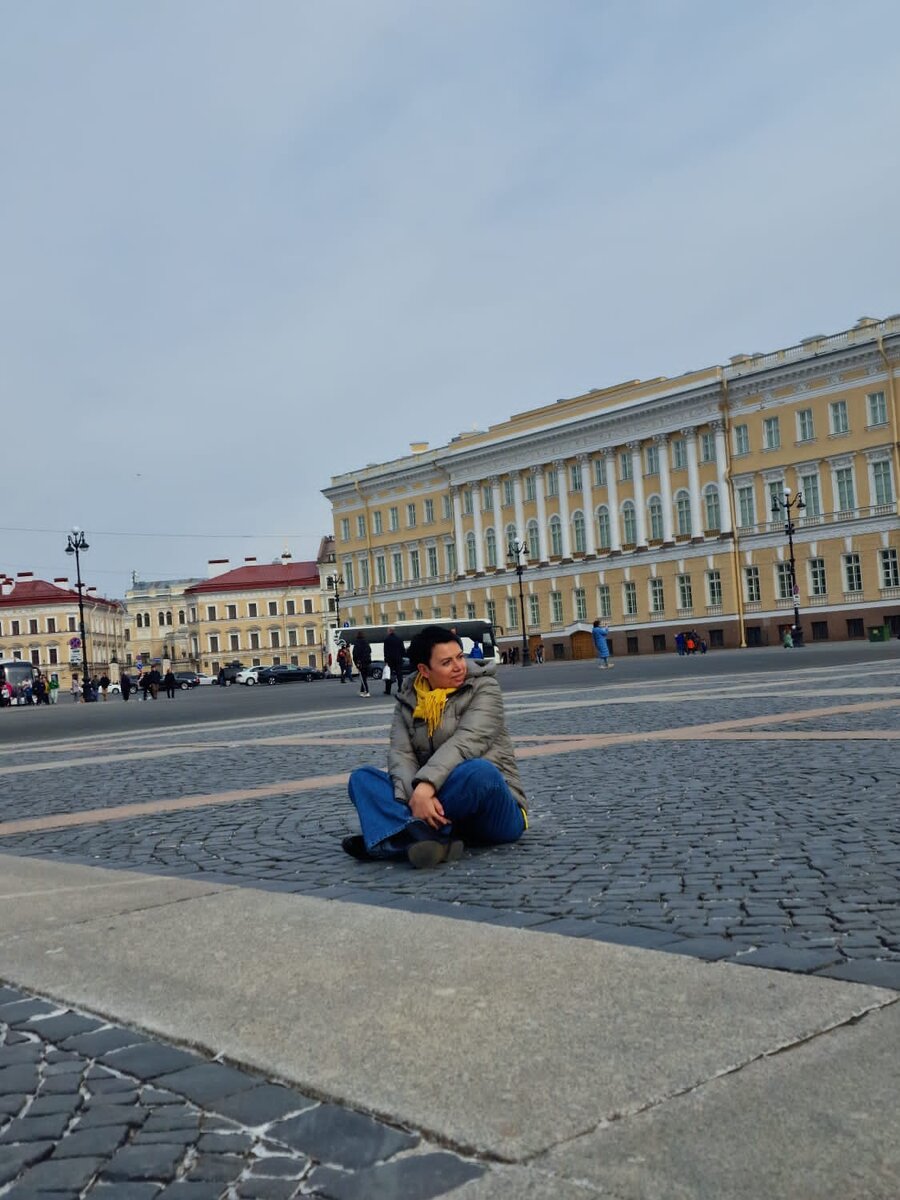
425 806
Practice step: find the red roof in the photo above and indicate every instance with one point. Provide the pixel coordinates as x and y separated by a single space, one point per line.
253 577
30 592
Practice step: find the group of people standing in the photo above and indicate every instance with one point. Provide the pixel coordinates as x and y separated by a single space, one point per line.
40 690
690 643
359 655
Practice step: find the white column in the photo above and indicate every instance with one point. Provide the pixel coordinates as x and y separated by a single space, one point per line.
640 506
690 441
519 502
479 530
458 532
718 428
562 477
612 491
498 513
587 492
540 485
665 487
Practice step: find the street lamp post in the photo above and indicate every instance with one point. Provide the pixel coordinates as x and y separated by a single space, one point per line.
335 582
518 553
75 544
787 504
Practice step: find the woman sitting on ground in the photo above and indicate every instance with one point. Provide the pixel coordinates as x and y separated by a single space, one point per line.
452 776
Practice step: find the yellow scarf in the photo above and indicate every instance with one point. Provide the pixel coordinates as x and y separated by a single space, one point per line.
431 703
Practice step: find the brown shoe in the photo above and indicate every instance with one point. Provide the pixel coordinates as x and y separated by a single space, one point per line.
431 852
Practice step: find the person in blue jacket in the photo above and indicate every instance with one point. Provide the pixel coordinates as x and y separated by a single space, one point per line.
600 633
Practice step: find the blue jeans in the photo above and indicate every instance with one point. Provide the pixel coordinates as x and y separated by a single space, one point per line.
475 797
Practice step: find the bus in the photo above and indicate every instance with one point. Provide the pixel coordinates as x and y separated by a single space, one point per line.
17 674
468 632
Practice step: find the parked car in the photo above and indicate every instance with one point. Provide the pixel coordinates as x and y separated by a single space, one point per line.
287 673
247 675
230 672
205 680
186 679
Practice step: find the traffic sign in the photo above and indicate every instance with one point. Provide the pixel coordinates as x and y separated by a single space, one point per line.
75 643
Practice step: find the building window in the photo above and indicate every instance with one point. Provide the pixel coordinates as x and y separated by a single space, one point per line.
361 525
741 439
512 612
414 568
713 587
683 514
657 597
852 573
51 624
33 625
432 562
817 582
604 600
231 612
809 487
234 641
599 473
534 610
471 560
784 584
210 612
679 454
72 625
429 512
349 575
603 528
364 573
393 519
254 641
410 516
377 523
713 516
578 532
530 487
532 537
629 599
877 408
160 620
890 568
805 428
882 483
446 507
556 537
579 600
575 480
551 477
771 433
556 608
776 495
490 548
508 493
345 529
839 420
380 570
487 498
707 447
651 460
273 608
820 631
855 627
213 643
397 566
470 612
752 593
843 478
451 558
629 523
685 591
467 501
490 610
746 506
656 519
274 639
35 658
625 465
53 656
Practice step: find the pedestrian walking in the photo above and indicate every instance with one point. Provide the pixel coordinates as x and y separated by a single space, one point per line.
394 650
125 684
144 684
452 775
679 644
170 683
362 660
539 653
788 640
75 689
154 680
600 633
104 685
53 687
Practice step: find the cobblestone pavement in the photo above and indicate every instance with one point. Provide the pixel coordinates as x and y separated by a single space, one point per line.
88 1108
750 819
747 819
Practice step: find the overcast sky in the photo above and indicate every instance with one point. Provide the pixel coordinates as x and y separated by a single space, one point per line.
245 246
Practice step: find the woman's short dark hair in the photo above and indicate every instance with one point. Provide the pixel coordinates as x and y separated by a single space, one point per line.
423 643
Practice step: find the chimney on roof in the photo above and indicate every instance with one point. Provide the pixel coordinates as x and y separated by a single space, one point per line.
61 579
25 574
250 558
286 557
418 447
6 586
216 566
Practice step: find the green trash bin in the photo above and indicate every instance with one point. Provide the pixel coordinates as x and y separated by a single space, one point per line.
879 633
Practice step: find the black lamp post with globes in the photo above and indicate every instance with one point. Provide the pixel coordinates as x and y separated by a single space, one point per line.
786 504
75 544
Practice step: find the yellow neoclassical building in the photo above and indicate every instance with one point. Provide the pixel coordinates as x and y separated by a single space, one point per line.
156 628
657 505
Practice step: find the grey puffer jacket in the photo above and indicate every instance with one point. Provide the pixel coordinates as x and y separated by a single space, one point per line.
473 726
